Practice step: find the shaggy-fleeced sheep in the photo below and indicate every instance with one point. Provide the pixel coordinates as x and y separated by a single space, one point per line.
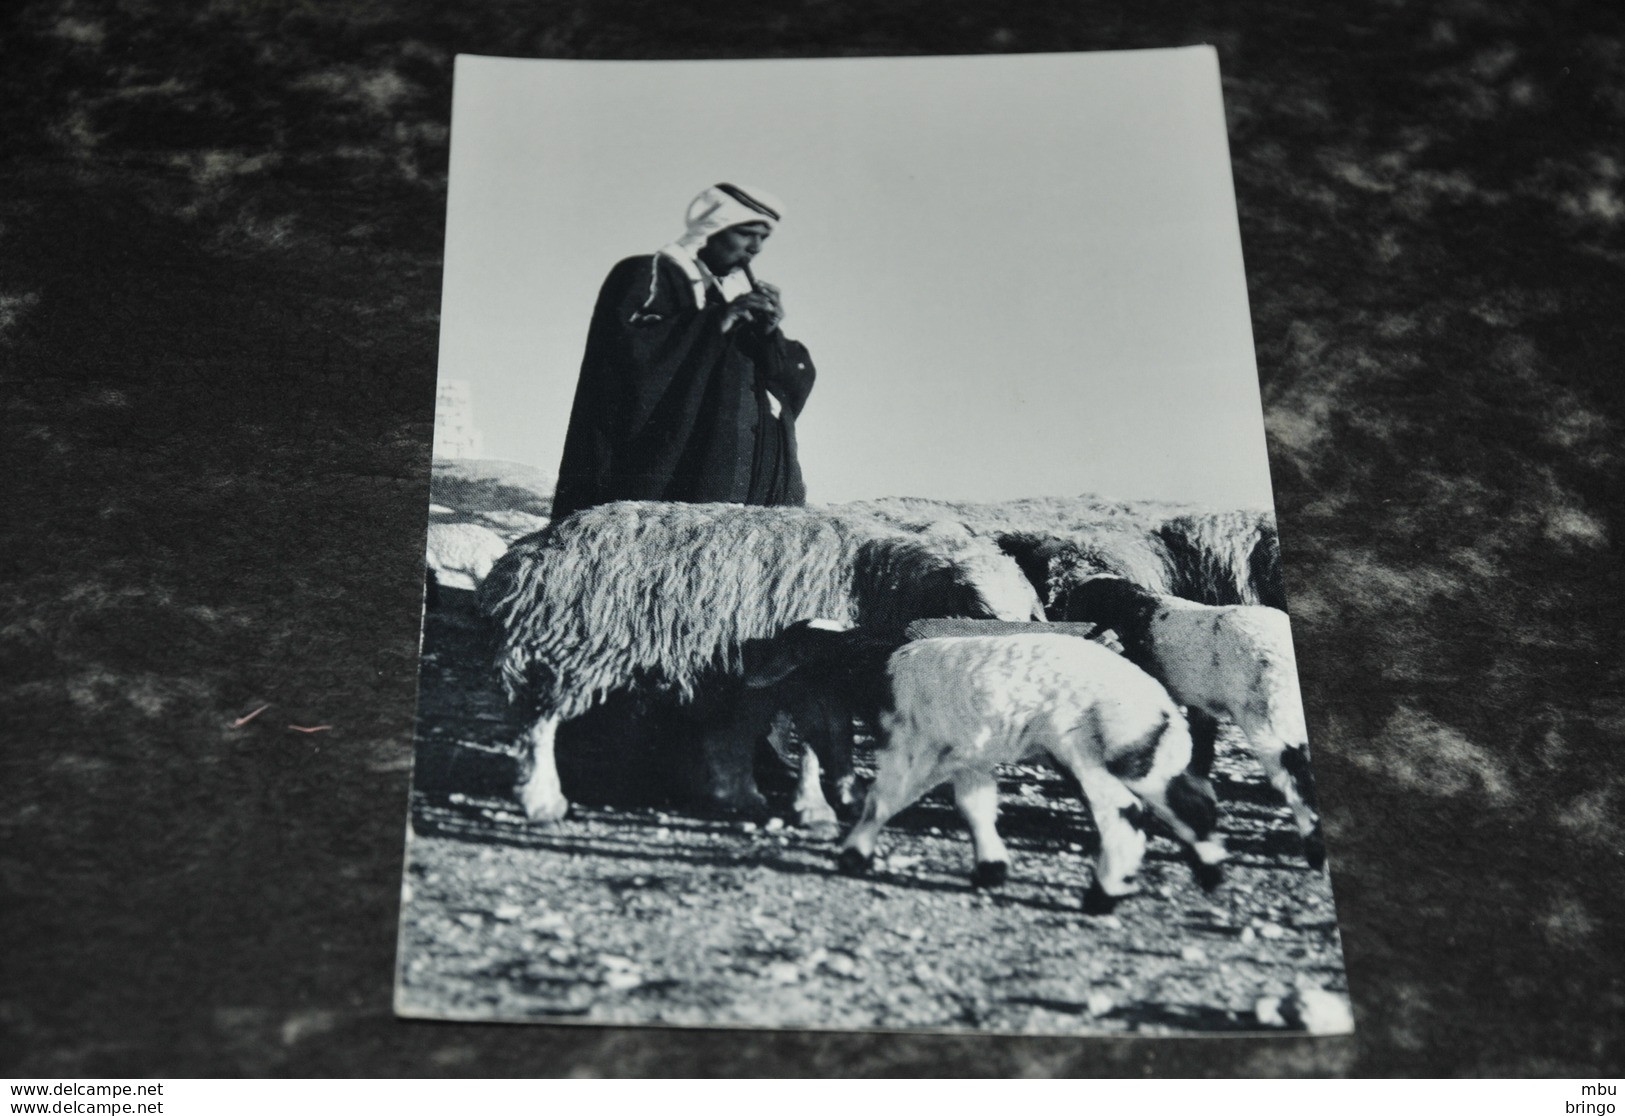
1233 662
660 598
1214 558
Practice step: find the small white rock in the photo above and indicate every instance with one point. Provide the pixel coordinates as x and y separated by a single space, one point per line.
1323 1012
1247 935
507 912
1099 1003
1193 953
471 920
774 825
841 965
622 979
1268 1010
1271 932
783 972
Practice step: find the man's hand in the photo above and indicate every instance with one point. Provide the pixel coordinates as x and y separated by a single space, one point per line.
758 306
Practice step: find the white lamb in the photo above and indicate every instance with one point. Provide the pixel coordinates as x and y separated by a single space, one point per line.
1231 662
960 706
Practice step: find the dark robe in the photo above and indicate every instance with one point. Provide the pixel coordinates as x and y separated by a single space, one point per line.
668 407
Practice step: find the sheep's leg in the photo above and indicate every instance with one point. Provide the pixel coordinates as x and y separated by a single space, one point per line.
538 790
1187 806
825 727
899 782
1287 766
976 793
1204 738
836 720
1121 821
726 777
812 808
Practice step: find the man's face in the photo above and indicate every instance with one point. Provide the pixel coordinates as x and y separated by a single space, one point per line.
734 247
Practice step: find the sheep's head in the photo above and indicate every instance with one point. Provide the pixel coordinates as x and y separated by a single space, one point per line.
1114 602
770 661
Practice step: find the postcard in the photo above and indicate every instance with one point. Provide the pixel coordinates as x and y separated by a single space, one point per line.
854 598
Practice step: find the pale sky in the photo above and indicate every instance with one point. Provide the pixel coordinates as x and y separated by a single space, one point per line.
1017 275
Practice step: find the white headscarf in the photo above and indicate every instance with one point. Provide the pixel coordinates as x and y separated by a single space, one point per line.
720 207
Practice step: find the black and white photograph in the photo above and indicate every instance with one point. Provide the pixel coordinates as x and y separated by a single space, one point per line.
853 594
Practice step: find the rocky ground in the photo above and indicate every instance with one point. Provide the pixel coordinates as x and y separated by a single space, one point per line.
646 914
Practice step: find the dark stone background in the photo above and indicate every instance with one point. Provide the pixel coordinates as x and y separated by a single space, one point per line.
220 229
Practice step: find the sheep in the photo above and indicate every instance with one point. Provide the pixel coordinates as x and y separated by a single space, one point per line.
1215 557
821 682
820 688
1231 662
660 599
459 555
952 708
1223 558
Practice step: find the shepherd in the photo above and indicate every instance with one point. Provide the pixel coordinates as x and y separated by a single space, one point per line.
689 390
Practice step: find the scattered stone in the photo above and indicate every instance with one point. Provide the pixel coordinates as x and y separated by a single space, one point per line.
1271 932
507 912
559 955
783 972
748 827
841 965
615 961
1099 1003
622 979
471 920
1247 935
774 825
1192 953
